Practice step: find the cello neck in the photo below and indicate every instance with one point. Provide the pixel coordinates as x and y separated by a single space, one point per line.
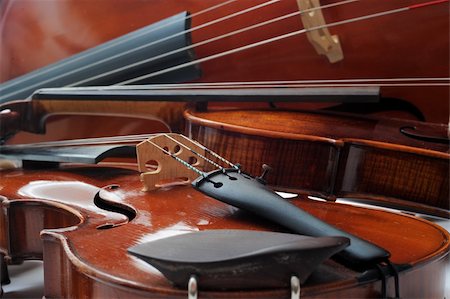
117 60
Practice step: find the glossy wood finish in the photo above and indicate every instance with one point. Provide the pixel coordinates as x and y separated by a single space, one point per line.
85 261
384 47
332 155
110 118
74 256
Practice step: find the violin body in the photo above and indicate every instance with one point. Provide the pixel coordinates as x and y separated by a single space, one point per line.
85 244
385 161
380 48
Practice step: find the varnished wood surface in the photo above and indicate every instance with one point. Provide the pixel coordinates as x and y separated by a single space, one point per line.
385 47
92 262
72 119
58 29
332 154
331 126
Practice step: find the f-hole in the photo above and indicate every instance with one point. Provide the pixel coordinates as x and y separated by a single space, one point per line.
115 207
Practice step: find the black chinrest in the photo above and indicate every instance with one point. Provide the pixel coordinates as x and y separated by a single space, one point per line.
238 259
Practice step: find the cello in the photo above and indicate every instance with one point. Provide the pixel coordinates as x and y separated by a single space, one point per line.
289 59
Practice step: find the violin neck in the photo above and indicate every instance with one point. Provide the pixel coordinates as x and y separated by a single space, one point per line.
31 115
165 105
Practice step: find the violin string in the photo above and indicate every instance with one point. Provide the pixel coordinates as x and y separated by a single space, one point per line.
207 41
194 152
84 141
124 40
284 36
189 166
212 153
215 21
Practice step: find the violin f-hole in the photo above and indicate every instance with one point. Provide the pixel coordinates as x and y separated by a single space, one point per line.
105 200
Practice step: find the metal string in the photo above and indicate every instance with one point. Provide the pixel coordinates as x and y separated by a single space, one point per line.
286 36
59 65
194 152
281 37
276 84
214 154
85 141
303 83
130 139
144 46
206 41
189 166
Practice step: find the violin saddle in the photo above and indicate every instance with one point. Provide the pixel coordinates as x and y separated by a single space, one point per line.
238 259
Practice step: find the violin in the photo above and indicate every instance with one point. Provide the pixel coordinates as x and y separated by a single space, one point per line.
90 216
400 151
392 162
410 148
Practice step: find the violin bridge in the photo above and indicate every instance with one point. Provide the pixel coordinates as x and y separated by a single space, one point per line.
157 165
321 39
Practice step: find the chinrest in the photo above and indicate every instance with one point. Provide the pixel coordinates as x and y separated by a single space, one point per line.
238 259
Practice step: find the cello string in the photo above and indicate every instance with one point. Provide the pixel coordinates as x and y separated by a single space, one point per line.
280 83
207 41
169 37
291 83
414 6
313 85
284 36
129 38
215 21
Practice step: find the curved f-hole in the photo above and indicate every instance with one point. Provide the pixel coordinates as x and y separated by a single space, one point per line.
436 136
111 206
152 165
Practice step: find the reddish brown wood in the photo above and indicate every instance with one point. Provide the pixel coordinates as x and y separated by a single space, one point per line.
91 119
83 261
333 154
384 47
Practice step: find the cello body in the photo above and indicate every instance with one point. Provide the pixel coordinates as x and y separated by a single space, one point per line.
382 48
